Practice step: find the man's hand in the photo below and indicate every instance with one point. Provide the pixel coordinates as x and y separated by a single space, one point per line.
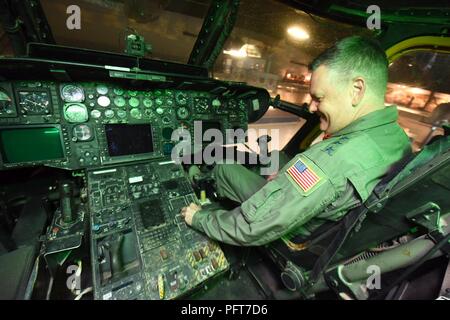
189 211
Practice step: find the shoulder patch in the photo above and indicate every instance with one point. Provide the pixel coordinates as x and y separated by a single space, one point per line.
305 176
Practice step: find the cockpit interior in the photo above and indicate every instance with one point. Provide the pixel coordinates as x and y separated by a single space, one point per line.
96 97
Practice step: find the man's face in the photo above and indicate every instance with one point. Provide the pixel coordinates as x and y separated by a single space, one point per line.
331 102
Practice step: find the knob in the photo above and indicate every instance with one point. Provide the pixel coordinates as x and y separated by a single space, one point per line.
292 277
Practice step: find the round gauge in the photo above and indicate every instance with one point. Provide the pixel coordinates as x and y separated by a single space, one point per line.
103 101
121 114
102 89
32 102
109 113
75 113
134 102
183 113
170 102
82 132
158 93
159 110
148 113
120 101
166 120
72 93
148 103
181 98
96 114
201 104
136 113
159 101
219 106
148 94
6 106
169 93
132 93
216 103
118 91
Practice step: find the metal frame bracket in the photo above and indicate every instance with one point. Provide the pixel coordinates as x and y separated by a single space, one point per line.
344 289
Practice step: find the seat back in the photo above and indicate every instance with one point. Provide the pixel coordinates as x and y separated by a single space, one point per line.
423 180
424 183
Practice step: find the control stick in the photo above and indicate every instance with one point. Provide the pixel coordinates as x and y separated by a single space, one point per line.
67 208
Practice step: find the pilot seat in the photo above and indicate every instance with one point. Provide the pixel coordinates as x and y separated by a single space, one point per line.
406 212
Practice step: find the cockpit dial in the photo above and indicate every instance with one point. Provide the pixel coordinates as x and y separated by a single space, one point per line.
201 104
181 98
76 113
6 105
82 132
34 102
72 93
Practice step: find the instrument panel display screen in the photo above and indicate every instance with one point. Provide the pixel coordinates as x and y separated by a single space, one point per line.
30 144
125 139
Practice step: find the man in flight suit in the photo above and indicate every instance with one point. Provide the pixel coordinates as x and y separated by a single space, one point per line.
348 86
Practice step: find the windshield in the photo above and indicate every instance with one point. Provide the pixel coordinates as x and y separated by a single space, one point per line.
272 44
170 27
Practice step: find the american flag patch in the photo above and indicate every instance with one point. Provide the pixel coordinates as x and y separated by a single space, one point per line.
304 176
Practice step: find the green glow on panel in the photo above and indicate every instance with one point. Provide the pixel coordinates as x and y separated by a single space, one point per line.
31 144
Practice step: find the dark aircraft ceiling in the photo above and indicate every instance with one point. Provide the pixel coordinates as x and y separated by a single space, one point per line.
399 11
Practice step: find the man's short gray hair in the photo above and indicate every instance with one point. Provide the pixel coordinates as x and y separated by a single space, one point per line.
357 56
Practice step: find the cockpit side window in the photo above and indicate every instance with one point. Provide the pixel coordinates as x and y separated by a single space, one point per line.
418 85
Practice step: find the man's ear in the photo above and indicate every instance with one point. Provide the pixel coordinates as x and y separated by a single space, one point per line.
358 90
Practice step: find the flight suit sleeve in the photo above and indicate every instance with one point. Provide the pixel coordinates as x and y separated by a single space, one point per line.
278 207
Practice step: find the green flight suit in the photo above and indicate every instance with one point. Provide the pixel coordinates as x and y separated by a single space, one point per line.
321 184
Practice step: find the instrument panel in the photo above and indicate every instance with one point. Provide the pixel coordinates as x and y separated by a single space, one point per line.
141 247
121 131
92 124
